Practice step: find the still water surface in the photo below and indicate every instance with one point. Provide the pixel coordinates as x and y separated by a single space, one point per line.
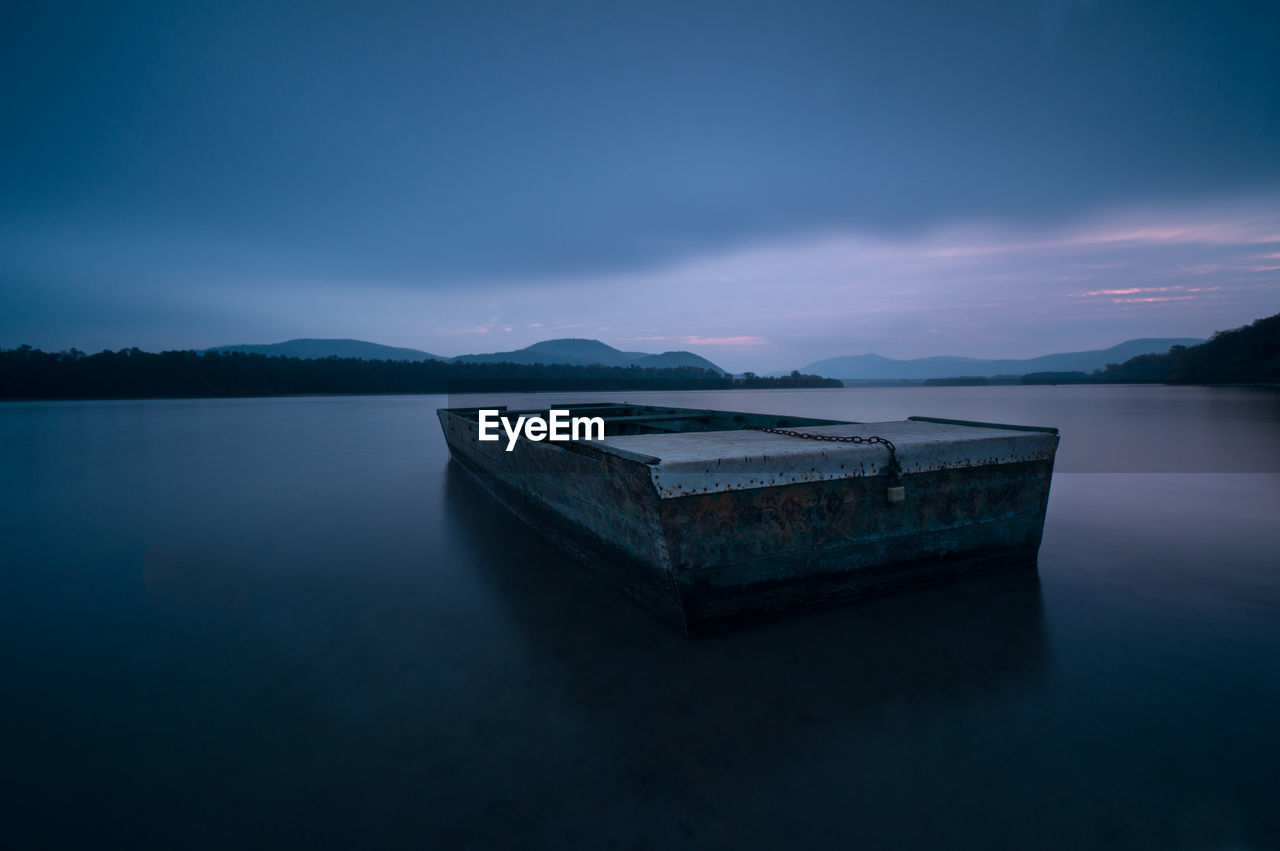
267 622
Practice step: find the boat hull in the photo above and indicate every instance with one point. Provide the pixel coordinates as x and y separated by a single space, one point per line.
715 560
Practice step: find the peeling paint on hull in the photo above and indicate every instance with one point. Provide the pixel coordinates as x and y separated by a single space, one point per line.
719 528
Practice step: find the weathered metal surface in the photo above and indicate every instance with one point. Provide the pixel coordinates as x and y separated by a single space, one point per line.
597 505
712 529
606 495
708 462
750 554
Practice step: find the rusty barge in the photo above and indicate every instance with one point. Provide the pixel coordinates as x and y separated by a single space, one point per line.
714 519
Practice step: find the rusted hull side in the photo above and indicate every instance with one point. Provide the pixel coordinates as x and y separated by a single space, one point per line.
747 555
600 508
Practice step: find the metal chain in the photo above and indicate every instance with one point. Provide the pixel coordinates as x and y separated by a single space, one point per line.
895 469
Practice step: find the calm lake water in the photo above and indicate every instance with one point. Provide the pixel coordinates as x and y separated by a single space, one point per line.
266 622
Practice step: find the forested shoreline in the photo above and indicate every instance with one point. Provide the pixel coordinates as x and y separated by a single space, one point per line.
27 373
1246 355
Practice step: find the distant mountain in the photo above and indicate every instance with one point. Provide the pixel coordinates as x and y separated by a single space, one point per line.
875 366
667 360
587 352
311 349
568 350
572 351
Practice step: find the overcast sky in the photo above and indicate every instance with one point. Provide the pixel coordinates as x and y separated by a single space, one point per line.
764 183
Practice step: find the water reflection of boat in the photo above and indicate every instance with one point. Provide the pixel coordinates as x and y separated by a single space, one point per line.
716 518
803 678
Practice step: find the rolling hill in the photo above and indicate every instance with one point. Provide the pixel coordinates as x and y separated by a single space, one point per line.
572 351
873 366
1248 354
587 352
314 348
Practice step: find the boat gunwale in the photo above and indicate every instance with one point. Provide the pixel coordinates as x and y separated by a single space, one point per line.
672 412
979 424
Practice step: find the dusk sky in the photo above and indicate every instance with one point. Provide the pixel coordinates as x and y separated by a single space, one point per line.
764 183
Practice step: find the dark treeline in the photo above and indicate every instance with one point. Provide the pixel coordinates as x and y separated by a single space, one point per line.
1062 377
958 381
27 373
1247 354
1243 355
751 381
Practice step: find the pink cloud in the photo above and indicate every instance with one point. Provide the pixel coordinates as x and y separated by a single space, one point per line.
726 341
1150 299
1136 290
